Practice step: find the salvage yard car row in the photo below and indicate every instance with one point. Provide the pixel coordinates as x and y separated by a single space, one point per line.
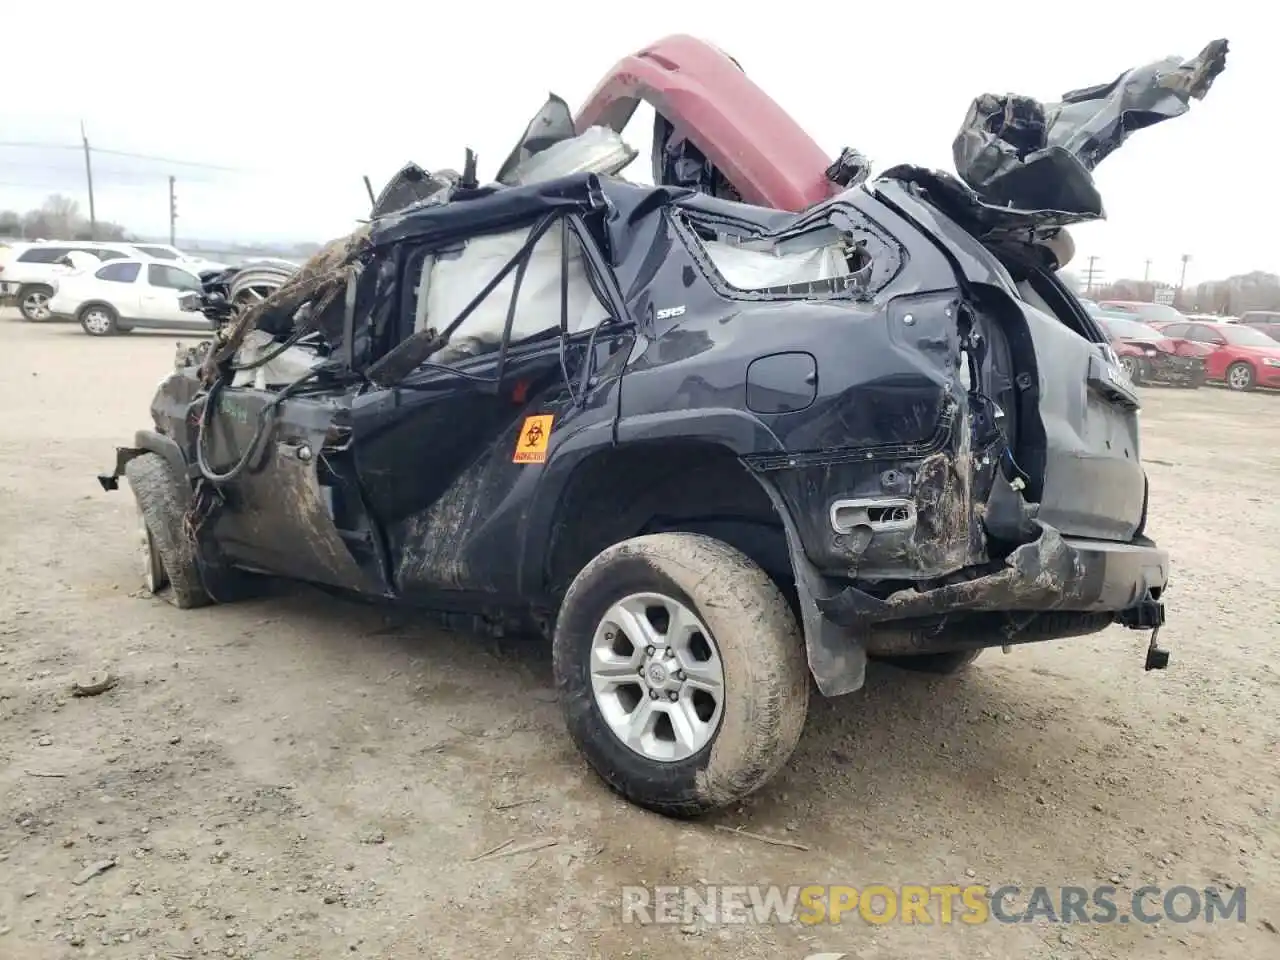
108 287
1157 344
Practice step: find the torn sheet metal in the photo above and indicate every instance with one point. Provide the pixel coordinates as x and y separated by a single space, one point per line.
318 285
849 169
550 125
1015 151
596 150
679 162
410 186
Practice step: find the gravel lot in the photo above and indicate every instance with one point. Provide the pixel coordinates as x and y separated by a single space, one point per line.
301 777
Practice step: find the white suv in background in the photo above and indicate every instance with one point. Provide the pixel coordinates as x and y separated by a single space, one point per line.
123 294
170 253
30 273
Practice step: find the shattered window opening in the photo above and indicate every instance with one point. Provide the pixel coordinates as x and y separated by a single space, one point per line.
819 260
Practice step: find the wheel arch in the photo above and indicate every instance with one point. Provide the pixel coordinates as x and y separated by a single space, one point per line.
96 302
680 484
1241 362
674 484
24 289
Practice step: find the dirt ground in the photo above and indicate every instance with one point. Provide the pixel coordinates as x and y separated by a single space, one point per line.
301 777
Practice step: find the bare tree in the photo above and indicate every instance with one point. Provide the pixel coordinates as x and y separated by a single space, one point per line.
58 218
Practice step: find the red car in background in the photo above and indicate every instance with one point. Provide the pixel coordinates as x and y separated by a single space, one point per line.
1240 356
1148 355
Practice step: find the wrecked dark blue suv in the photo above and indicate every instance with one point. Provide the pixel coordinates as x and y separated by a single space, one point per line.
713 449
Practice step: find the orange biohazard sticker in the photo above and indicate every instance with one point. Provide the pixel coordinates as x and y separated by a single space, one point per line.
534 435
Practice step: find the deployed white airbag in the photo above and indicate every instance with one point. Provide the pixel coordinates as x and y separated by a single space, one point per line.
749 269
452 282
276 372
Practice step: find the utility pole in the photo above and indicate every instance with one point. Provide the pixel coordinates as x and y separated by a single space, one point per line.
1146 271
1182 279
88 174
1089 274
173 212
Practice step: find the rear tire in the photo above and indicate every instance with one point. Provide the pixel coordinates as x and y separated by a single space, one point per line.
1240 376
946 663
719 615
168 549
99 320
33 302
1133 367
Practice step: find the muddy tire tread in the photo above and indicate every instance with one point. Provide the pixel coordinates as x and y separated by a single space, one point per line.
761 648
152 483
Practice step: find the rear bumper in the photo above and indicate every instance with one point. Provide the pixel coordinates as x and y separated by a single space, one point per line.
1052 573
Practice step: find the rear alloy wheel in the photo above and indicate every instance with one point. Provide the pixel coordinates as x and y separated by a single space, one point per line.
681 671
1240 376
99 320
33 303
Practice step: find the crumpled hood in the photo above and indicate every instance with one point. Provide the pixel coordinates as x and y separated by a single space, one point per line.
1026 167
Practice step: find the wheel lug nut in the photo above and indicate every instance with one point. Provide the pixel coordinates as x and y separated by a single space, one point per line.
640 671
648 651
653 694
673 696
669 653
680 675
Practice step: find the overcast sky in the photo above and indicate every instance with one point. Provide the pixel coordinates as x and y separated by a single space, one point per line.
298 105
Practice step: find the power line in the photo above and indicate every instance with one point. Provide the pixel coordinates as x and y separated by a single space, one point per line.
32 145
20 144
59 174
168 160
